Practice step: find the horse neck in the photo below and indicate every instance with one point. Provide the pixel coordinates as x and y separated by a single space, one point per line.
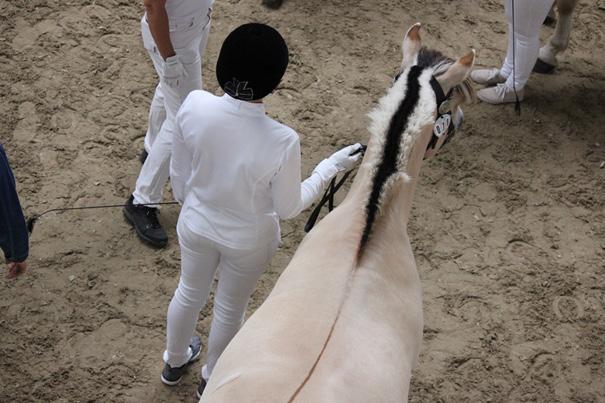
401 127
401 195
404 195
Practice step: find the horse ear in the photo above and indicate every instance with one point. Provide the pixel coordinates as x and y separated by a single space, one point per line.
457 72
411 46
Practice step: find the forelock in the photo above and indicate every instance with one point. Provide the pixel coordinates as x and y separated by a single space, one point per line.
430 58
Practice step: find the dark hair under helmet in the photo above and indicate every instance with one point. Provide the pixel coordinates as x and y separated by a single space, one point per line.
252 62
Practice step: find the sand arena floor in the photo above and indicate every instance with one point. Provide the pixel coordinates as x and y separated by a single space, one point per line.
508 227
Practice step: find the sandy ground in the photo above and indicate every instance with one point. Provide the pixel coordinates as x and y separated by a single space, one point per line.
509 223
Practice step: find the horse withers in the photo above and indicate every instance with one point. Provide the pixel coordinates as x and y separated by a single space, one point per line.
344 321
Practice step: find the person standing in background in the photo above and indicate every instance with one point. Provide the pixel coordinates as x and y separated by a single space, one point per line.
14 240
175 33
525 40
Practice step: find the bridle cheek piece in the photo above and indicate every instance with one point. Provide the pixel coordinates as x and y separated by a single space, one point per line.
444 124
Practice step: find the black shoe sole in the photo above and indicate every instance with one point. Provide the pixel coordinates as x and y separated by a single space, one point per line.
170 383
176 382
543 68
197 391
273 4
153 242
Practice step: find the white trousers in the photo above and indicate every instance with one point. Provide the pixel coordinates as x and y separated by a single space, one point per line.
238 272
189 40
529 16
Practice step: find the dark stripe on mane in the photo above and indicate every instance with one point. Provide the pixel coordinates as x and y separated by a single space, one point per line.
390 154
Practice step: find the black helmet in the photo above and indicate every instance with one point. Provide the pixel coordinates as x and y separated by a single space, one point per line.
252 61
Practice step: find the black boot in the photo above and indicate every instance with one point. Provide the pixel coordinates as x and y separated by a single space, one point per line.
274 4
145 222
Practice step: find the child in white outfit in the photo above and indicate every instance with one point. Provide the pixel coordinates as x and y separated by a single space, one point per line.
237 172
528 17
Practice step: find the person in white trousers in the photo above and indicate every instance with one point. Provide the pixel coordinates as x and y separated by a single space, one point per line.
237 172
501 83
175 33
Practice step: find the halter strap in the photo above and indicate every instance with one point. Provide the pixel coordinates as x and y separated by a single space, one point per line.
440 96
442 99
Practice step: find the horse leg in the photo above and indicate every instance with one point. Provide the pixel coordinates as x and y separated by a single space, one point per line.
547 58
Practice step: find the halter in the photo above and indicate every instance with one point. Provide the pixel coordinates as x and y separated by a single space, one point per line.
444 124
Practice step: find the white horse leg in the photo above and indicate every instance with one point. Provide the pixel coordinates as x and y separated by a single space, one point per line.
547 58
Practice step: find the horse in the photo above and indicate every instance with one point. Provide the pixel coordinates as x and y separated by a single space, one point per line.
344 320
558 42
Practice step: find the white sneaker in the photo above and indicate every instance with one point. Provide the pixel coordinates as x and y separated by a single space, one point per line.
499 95
487 76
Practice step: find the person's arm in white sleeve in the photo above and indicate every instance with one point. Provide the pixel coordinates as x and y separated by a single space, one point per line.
180 164
290 197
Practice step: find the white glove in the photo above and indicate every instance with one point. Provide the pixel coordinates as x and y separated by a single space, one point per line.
340 161
173 71
346 158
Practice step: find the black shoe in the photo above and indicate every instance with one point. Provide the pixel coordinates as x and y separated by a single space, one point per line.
543 68
200 389
145 222
143 156
274 4
171 376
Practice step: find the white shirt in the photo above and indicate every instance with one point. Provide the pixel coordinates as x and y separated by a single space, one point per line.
178 10
237 171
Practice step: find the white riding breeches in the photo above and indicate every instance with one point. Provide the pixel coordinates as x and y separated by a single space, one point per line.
529 16
238 272
189 41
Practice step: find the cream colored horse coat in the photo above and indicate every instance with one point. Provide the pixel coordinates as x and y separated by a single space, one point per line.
344 323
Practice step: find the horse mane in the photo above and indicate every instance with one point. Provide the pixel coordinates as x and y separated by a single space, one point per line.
395 124
387 164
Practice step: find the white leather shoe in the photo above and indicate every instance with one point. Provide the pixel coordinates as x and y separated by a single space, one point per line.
487 76
499 95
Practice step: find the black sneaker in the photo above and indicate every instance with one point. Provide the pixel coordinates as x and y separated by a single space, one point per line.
274 4
200 389
143 156
171 376
145 222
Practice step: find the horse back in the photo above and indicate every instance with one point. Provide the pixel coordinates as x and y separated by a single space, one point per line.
279 346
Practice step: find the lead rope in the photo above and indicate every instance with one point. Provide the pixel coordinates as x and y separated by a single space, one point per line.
329 195
31 221
517 102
